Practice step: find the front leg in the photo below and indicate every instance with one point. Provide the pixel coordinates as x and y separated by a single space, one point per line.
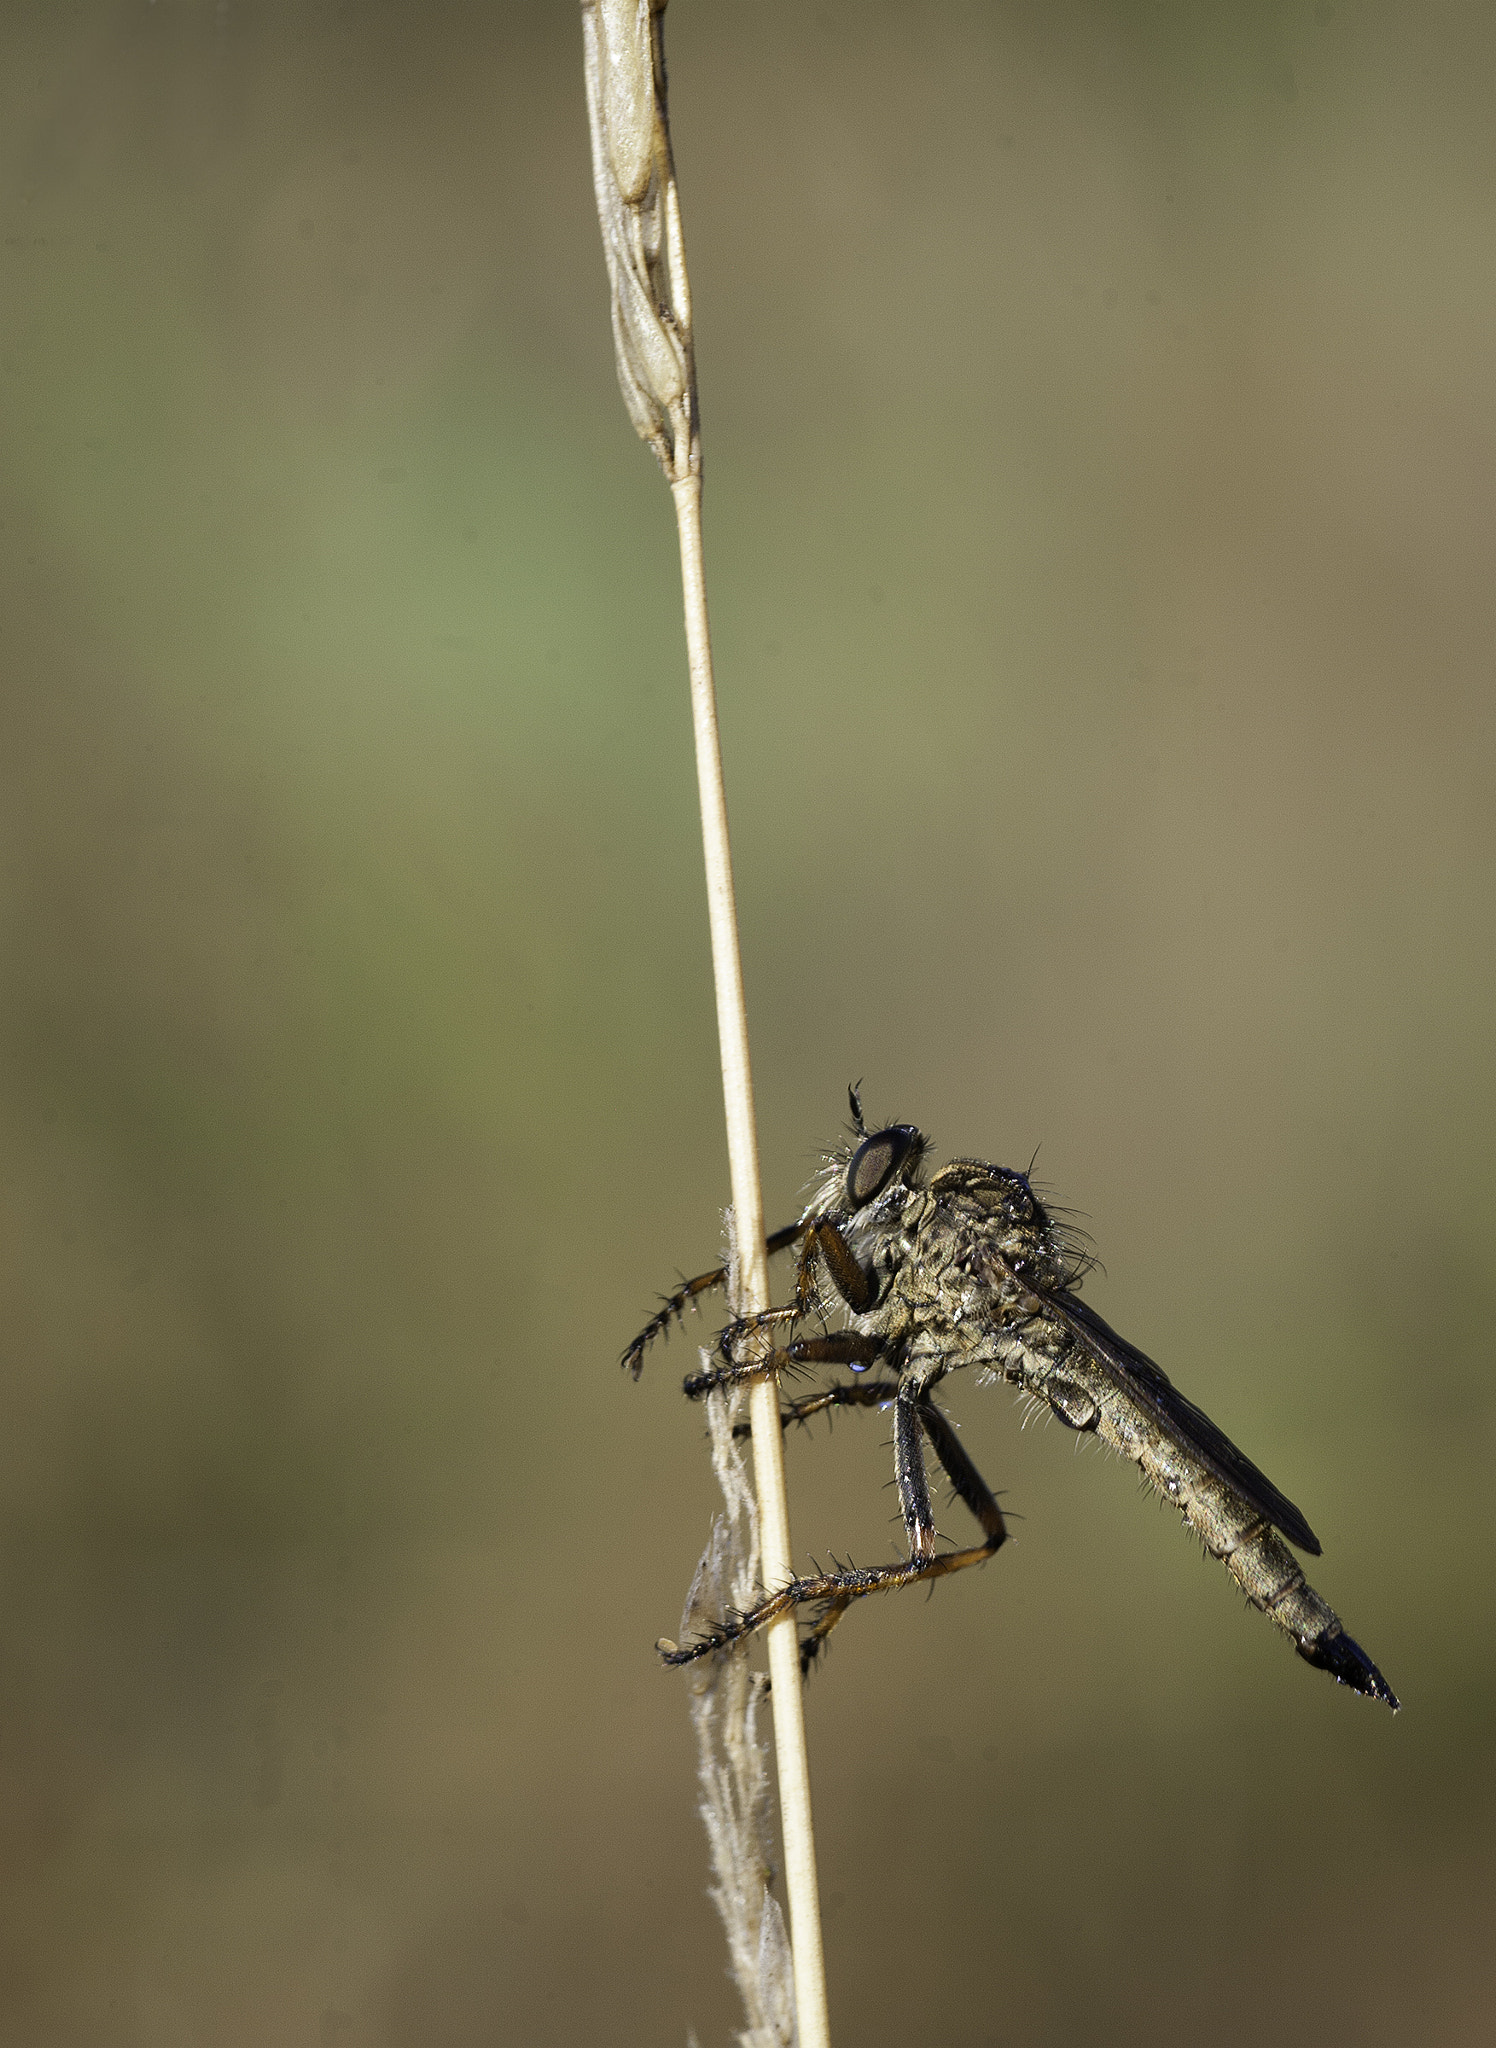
823 1244
857 1287
674 1305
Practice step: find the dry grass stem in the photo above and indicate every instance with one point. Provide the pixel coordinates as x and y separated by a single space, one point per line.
639 211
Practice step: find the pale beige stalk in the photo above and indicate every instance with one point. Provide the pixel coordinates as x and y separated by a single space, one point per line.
639 212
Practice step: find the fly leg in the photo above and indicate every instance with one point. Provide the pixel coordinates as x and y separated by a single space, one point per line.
969 1485
909 1472
675 1305
845 1394
823 1245
857 1287
841 1347
833 1592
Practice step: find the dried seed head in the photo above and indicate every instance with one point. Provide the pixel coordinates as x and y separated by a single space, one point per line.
638 209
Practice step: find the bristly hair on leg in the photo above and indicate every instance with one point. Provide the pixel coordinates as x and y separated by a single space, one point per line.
732 1758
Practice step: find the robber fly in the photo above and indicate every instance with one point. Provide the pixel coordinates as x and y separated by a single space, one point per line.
962 1267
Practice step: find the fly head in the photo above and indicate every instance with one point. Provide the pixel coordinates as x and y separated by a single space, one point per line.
887 1158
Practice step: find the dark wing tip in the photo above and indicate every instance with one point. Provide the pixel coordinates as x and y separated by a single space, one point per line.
1296 1529
1345 1660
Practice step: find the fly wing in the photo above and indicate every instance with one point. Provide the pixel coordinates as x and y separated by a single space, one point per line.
1144 1382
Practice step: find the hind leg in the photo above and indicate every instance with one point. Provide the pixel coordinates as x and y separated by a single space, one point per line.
833 1592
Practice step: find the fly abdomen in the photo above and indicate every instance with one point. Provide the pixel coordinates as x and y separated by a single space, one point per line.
1269 1574
1231 1528
1262 1565
1264 1562
1075 1407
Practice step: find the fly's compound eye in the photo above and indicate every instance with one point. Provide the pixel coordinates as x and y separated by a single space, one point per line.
876 1161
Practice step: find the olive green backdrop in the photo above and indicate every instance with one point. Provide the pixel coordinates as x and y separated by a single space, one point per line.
1100 433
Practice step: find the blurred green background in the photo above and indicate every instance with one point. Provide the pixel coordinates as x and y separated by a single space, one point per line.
1100 432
